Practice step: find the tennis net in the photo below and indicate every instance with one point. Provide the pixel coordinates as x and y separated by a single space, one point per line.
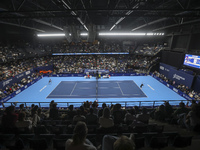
96 88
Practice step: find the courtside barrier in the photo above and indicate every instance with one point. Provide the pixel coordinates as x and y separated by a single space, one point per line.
19 90
172 88
126 104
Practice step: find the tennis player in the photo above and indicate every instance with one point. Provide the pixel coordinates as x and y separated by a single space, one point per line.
50 81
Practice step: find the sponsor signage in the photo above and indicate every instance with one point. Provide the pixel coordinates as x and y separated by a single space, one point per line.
18 91
173 88
178 76
18 78
181 77
4 83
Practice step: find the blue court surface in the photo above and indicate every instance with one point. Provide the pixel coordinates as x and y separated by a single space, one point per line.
96 89
117 89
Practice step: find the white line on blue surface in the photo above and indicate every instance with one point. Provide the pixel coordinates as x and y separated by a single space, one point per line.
120 88
73 88
150 87
43 88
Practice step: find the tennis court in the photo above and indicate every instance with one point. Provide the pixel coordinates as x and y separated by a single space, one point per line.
117 89
96 89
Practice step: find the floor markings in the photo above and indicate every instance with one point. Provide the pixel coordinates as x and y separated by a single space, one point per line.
73 88
150 87
43 88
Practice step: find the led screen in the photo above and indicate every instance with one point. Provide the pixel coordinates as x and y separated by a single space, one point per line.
192 61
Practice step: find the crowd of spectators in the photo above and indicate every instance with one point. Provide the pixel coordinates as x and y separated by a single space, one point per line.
147 50
186 116
69 64
185 89
14 68
117 63
10 89
26 120
23 49
105 120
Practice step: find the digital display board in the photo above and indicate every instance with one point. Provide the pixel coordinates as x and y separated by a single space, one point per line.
192 61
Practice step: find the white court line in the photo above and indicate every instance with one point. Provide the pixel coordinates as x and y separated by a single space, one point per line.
54 88
150 87
43 88
139 88
120 88
84 88
108 87
73 88
88 95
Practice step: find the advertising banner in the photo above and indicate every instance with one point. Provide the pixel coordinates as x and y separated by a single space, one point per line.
196 84
173 88
94 71
19 90
19 77
165 69
181 77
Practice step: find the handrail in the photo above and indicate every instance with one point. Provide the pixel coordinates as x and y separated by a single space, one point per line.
125 104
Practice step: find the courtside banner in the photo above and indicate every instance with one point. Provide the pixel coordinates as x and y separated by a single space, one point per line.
19 90
181 77
82 75
165 69
68 75
19 77
196 84
95 70
15 79
172 88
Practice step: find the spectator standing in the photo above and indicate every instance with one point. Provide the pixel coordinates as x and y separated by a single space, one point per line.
53 113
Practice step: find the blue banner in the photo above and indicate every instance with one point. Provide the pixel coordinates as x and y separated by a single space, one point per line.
181 77
50 67
94 71
67 75
19 90
15 79
165 69
112 74
197 83
19 77
173 88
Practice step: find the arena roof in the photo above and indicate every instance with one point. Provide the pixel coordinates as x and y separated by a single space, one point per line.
99 15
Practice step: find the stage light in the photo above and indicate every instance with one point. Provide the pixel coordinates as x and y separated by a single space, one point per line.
149 33
84 34
121 34
50 35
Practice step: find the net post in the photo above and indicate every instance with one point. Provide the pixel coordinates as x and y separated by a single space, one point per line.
153 104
